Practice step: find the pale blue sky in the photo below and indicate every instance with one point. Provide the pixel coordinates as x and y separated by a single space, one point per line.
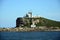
11 9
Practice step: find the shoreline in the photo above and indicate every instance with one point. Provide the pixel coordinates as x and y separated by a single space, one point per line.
26 29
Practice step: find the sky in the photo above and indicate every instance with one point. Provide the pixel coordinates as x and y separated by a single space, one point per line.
11 9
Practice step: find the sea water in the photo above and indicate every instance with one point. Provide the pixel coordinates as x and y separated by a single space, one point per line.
29 35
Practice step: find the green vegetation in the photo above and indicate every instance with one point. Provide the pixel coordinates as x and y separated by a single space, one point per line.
43 22
48 22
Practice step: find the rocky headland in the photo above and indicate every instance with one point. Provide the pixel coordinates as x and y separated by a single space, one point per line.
27 29
33 23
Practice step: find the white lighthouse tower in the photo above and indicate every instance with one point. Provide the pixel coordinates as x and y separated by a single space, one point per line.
30 14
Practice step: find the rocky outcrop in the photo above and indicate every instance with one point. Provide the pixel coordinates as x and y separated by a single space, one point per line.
27 29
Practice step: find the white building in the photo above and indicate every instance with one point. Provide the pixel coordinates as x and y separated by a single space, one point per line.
33 25
30 14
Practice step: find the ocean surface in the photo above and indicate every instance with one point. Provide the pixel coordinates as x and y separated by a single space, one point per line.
29 35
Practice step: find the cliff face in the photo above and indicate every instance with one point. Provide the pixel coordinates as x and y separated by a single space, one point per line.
23 22
19 22
39 21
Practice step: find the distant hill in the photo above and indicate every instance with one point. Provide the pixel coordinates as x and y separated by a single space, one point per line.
48 22
39 21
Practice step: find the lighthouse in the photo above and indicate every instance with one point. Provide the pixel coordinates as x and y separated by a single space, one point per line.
30 14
